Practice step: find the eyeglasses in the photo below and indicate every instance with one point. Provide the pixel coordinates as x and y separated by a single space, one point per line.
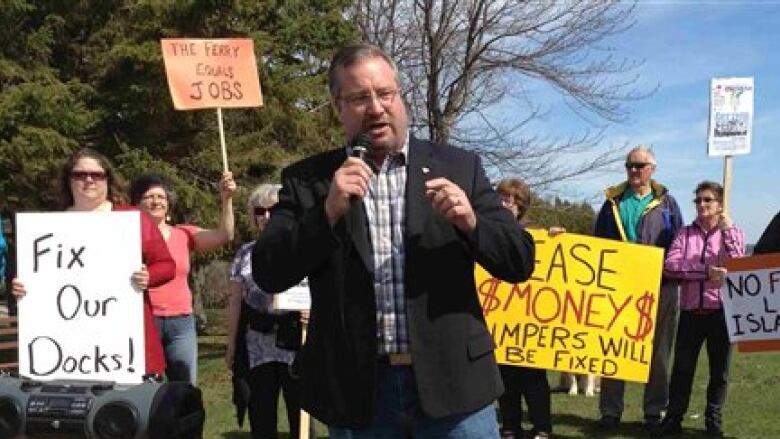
83 175
705 200
636 165
364 99
155 197
261 211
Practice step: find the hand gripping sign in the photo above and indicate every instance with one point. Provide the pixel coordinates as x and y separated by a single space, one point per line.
589 307
215 73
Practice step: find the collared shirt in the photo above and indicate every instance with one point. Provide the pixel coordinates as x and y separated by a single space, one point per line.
385 205
631 208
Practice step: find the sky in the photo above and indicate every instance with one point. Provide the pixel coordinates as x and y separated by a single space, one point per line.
683 45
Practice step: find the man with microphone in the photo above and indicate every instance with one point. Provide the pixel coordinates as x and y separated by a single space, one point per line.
397 344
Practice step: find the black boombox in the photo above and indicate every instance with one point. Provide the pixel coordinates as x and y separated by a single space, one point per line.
99 410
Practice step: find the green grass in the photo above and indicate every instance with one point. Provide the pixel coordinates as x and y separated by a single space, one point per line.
214 381
751 406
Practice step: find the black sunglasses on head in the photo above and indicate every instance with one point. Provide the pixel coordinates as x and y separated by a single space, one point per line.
261 211
637 165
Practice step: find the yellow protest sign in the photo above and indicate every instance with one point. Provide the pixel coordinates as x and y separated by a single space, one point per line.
589 307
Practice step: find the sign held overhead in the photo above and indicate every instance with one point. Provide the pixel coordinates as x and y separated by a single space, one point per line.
213 73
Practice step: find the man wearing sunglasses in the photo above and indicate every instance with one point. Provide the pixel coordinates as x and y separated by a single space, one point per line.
641 210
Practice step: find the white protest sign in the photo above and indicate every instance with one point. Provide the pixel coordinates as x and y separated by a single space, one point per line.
751 298
297 298
731 116
81 317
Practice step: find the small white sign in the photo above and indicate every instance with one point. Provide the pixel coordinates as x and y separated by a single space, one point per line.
731 116
297 298
81 317
751 303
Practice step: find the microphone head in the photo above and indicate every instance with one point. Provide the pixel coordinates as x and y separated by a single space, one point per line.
360 145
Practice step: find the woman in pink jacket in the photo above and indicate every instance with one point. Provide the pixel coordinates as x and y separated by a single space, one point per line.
696 257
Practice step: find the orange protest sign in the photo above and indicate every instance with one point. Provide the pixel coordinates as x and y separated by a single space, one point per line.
215 73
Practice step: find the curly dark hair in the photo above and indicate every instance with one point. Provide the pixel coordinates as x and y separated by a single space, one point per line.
143 183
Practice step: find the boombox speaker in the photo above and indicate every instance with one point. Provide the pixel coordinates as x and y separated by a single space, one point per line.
99 410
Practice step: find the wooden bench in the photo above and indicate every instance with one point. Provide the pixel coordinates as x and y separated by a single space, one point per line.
8 344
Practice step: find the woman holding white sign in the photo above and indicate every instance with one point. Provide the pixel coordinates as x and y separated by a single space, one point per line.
262 342
172 302
696 257
90 184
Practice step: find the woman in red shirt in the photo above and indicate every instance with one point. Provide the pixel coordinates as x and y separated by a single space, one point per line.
90 184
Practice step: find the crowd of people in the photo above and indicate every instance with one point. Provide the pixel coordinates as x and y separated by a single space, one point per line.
397 345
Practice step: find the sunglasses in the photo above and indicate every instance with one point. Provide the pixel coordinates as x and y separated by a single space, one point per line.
637 165
261 211
83 175
705 200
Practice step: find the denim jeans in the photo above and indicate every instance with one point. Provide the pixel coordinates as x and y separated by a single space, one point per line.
180 343
398 414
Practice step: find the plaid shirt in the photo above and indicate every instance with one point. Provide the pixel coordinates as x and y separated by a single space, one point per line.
385 207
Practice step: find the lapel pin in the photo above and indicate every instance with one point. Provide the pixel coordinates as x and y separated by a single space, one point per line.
426 169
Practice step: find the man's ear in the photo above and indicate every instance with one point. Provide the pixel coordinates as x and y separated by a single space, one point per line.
334 103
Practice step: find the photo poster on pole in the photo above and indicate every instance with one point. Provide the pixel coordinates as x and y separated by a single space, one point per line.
81 318
751 302
212 73
731 116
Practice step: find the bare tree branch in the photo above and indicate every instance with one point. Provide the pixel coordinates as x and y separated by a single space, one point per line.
460 58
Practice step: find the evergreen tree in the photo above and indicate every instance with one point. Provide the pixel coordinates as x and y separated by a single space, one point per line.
90 73
574 217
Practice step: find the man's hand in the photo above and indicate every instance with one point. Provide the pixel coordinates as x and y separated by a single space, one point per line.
350 180
451 202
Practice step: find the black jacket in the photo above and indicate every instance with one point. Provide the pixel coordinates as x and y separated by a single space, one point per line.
452 351
770 239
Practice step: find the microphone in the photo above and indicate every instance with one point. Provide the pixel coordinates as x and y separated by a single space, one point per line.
359 146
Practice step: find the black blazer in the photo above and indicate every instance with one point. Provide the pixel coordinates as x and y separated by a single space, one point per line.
452 350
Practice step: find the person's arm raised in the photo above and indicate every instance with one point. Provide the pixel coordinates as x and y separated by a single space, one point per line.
210 239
